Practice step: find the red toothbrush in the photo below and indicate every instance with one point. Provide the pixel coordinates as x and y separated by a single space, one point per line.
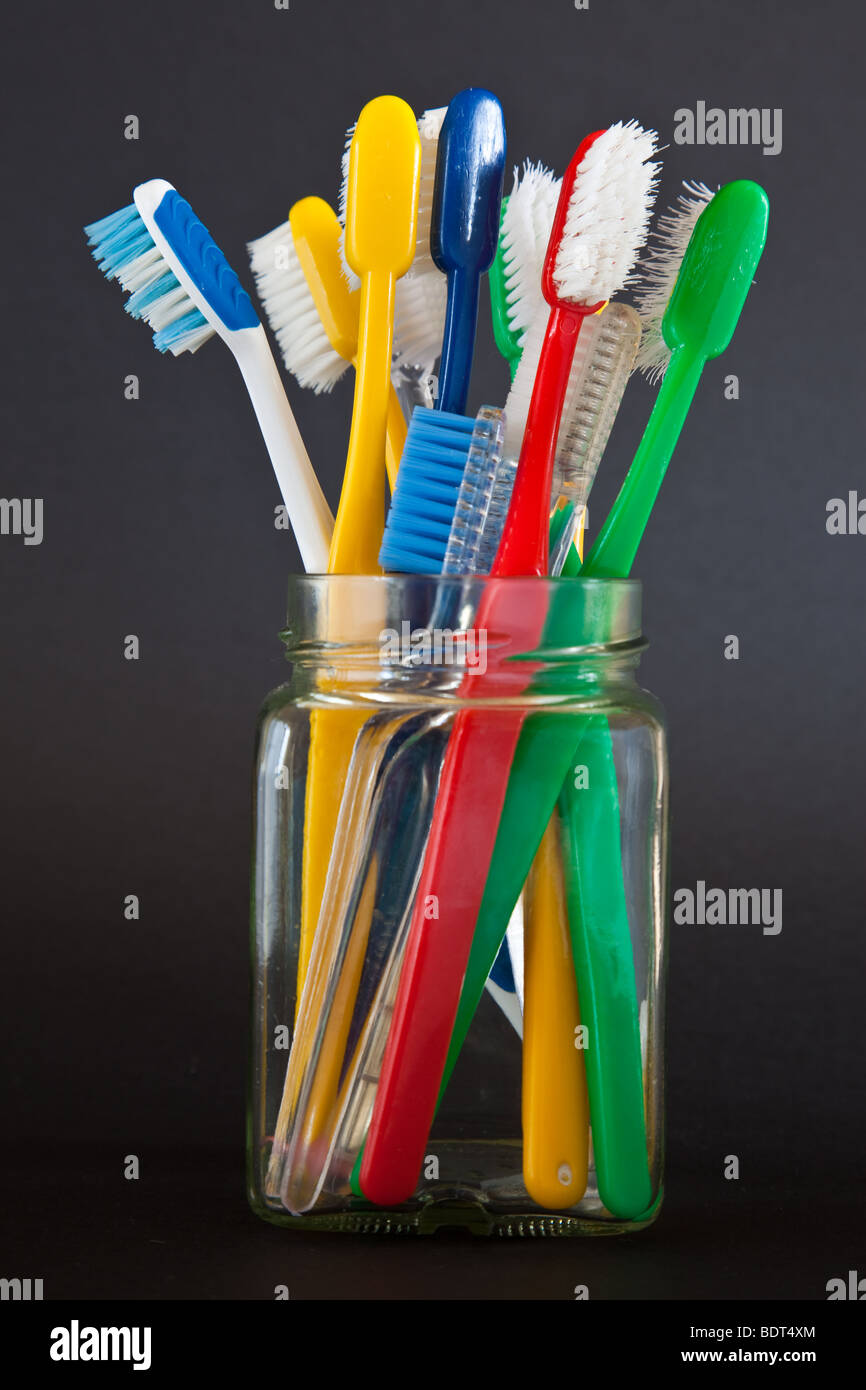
600 224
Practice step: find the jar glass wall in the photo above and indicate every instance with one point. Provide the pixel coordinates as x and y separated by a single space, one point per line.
493 732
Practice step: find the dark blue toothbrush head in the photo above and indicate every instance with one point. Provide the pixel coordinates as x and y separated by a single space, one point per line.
470 167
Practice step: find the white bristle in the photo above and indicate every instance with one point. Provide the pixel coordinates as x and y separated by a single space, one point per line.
419 318
145 273
291 311
429 127
523 239
657 273
520 394
352 278
608 215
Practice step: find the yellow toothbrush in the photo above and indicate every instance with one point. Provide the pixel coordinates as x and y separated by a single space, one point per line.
381 214
316 234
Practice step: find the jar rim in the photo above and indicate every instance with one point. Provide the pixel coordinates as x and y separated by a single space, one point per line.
350 613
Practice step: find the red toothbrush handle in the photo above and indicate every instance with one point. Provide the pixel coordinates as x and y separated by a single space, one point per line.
524 545
468 805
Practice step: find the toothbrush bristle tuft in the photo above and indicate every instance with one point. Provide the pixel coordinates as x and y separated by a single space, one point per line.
425 498
523 239
657 273
608 214
419 318
291 311
125 251
429 127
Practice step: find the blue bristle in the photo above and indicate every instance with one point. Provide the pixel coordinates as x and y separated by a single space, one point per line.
119 240
425 497
173 334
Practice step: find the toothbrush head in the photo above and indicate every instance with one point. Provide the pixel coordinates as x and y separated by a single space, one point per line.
717 270
425 498
524 234
382 189
470 167
177 278
429 125
419 318
309 307
429 129
602 217
658 269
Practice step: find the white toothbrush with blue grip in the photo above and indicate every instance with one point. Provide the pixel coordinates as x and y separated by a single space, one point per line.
181 284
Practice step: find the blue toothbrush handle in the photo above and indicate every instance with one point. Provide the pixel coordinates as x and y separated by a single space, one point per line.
458 341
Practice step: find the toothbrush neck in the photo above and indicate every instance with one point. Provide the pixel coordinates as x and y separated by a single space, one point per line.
524 545
458 341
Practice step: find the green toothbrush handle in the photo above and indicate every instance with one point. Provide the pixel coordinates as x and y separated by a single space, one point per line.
604 963
612 555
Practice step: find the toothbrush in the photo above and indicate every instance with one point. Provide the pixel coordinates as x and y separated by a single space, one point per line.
381 210
710 289
698 324
602 363
311 310
596 235
515 275
470 165
381 214
180 283
419 317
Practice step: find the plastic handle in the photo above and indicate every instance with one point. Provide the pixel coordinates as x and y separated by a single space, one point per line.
357 532
308 511
604 962
616 545
524 546
458 341
555 1106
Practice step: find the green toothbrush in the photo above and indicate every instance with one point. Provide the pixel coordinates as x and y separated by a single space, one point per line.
710 291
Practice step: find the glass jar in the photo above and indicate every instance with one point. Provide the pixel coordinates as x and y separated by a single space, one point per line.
460 852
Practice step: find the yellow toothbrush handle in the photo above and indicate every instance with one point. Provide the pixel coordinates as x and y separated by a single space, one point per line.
555 1104
395 437
361 513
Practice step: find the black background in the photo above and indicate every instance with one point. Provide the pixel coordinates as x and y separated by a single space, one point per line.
133 777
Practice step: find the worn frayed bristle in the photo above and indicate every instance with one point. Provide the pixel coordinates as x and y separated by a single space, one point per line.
291 311
523 239
608 215
125 251
657 273
429 127
419 318
353 280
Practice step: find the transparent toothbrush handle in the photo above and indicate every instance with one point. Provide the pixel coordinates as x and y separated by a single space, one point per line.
476 493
